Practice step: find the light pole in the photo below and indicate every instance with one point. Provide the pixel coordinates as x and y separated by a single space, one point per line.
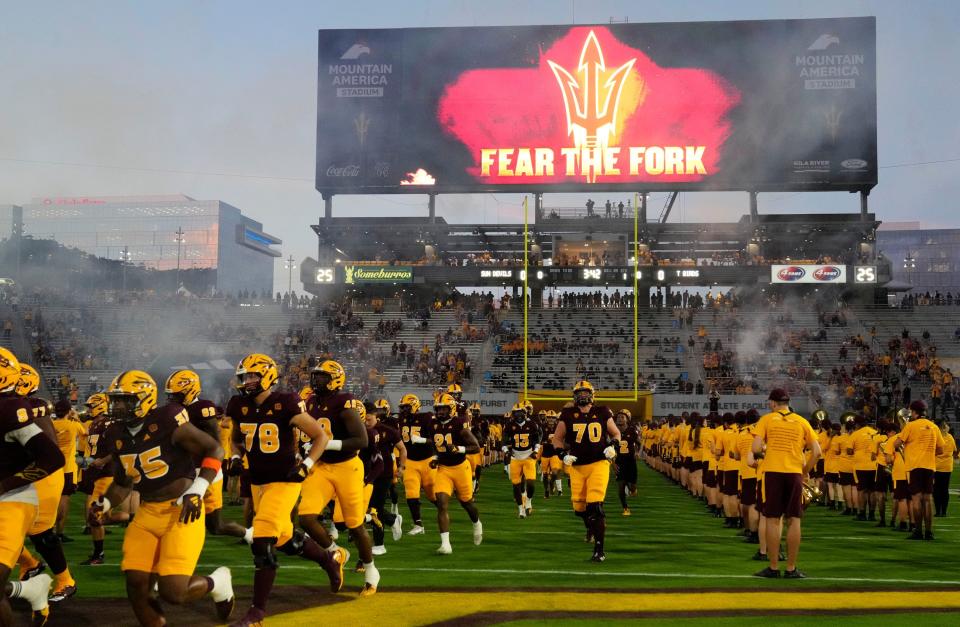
909 263
289 265
124 259
179 233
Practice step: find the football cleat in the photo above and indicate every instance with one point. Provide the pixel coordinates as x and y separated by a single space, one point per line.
334 568
94 560
63 593
222 593
588 537
445 549
39 618
32 572
396 529
359 567
372 580
379 549
477 533
253 618
626 511
598 556
417 530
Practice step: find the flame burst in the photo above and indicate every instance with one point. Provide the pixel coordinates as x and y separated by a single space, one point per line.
420 177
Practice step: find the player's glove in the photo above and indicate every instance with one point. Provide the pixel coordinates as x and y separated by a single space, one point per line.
300 471
610 453
191 508
98 511
568 460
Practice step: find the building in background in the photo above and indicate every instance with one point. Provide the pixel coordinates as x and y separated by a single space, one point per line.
927 259
157 232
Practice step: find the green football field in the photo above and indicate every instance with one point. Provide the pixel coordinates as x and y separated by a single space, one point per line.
670 543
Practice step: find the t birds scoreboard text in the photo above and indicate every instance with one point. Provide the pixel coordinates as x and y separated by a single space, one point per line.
759 105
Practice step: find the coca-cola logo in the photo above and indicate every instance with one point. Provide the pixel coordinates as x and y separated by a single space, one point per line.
791 273
826 273
342 171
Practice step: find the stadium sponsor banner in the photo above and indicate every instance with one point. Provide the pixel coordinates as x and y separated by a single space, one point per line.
354 275
758 105
664 404
808 273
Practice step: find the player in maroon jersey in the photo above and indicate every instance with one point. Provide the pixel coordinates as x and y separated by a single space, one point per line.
415 430
152 449
386 439
27 455
183 387
264 421
521 439
626 460
453 441
591 438
340 472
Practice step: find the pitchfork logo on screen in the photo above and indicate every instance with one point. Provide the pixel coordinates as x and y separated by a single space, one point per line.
826 273
592 110
793 273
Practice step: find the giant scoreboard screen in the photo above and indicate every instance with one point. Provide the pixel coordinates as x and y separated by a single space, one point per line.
752 105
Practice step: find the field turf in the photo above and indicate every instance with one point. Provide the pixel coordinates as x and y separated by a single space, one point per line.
669 544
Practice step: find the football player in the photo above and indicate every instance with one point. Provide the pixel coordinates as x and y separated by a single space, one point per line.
387 440
152 449
414 428
50 489
27 455
263 430
456 391
95 479
521 441
453 441
385 416
550 464
626 460
591 438
70 432
183 388
481 433
340 471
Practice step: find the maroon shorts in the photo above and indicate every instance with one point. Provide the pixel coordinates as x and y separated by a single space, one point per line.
901 490
69 484
710 478
688 463
921 481
748 492
818 471
831 477
784 494
730 480
866 479
846 478
760 503
245 492
882 480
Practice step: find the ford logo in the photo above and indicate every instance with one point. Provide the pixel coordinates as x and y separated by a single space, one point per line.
853 164
826 273
791 273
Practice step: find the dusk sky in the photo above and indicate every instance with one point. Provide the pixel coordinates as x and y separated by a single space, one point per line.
217 100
